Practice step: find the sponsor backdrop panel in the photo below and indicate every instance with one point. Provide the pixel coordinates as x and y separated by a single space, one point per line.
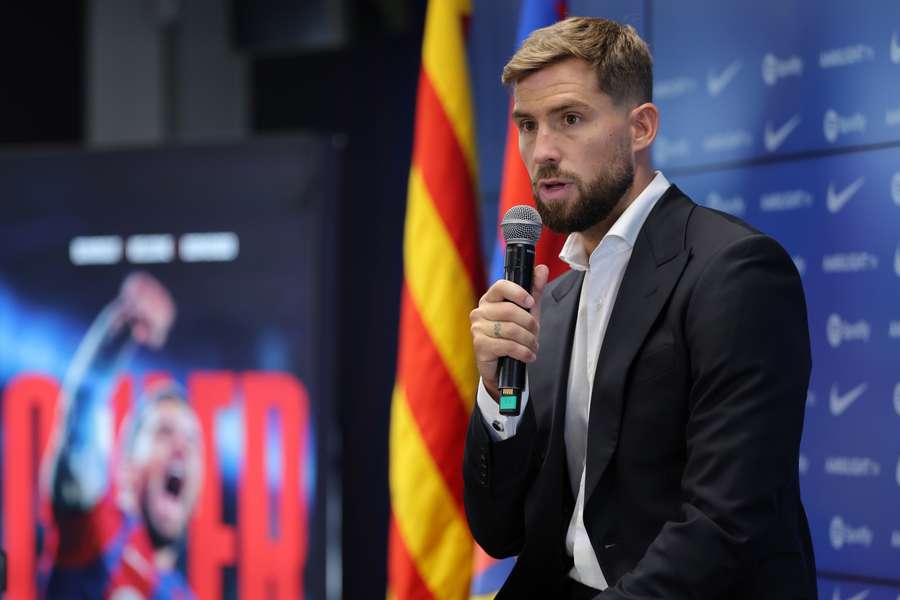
736 81
833 589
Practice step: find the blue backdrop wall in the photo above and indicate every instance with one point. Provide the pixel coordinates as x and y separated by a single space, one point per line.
785 113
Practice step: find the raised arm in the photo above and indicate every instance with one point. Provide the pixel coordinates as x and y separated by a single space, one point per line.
77 473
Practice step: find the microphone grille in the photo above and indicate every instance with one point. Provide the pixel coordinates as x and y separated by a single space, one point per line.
521 224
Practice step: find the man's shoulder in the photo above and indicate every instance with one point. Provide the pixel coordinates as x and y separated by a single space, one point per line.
708 230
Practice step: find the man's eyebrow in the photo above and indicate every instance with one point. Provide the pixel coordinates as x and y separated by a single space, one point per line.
574 105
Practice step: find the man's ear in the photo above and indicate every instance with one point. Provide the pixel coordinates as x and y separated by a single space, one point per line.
644 122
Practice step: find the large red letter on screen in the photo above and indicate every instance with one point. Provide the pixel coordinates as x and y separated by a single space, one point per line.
273 531
212 543
29 406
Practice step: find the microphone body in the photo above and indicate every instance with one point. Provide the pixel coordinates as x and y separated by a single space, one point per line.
518 268
521 229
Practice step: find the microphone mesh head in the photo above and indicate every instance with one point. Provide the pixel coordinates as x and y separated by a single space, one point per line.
521 225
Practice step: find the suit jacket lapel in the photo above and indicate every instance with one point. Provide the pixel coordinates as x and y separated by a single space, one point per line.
656 264
558 315
552 505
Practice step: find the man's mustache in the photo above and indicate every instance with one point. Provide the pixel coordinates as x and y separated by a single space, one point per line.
552 172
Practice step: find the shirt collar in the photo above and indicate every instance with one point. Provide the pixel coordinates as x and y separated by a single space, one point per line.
626 227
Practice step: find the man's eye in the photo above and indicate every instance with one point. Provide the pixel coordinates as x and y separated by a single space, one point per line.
572 119
526 125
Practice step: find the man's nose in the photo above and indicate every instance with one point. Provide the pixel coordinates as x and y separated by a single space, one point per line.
546 147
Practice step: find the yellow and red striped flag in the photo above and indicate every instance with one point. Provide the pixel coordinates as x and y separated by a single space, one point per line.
430 547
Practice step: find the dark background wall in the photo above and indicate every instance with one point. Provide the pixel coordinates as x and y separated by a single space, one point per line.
366 92
41 61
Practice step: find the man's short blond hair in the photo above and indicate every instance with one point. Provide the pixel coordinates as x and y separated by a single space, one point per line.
617 53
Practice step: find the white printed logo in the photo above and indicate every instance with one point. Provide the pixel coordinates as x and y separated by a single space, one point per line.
837 200
729 140
834 330
892 117
834 125
839 331
734 205
849 262
842 534
672 88
841 402
782 201
895 188
897 260
894 330
775 138
831 126
846 56
897 398
860 596
667 149
774 69
895 49
715 84
852 466
836 533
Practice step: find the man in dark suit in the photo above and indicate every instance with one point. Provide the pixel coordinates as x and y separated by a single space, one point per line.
656 453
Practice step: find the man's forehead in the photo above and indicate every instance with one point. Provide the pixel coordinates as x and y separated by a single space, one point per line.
570 80
173 409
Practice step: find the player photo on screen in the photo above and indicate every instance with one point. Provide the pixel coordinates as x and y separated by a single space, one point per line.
163 380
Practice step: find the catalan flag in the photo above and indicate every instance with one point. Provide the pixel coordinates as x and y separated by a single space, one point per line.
430 547
489 574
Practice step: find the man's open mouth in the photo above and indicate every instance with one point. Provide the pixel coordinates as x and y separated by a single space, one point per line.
174 482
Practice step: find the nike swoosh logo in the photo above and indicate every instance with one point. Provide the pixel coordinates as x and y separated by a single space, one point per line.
860 596
895 49
715 84
774 139
837 200
841 402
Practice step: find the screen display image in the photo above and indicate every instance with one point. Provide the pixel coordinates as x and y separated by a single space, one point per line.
165 380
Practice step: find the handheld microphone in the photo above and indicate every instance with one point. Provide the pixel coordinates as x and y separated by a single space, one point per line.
521 229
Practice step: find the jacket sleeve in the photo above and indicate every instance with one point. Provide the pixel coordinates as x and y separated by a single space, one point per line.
748 349
496 476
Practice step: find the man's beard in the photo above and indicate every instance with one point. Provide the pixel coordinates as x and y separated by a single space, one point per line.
596 199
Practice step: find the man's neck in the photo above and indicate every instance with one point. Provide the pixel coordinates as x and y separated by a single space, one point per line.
591 237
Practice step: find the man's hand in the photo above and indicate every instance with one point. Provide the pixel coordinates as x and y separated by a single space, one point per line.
146 306
502 326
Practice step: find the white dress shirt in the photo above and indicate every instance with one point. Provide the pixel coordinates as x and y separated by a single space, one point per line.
603 272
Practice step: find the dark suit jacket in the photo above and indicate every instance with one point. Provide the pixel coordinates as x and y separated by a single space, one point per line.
694 429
